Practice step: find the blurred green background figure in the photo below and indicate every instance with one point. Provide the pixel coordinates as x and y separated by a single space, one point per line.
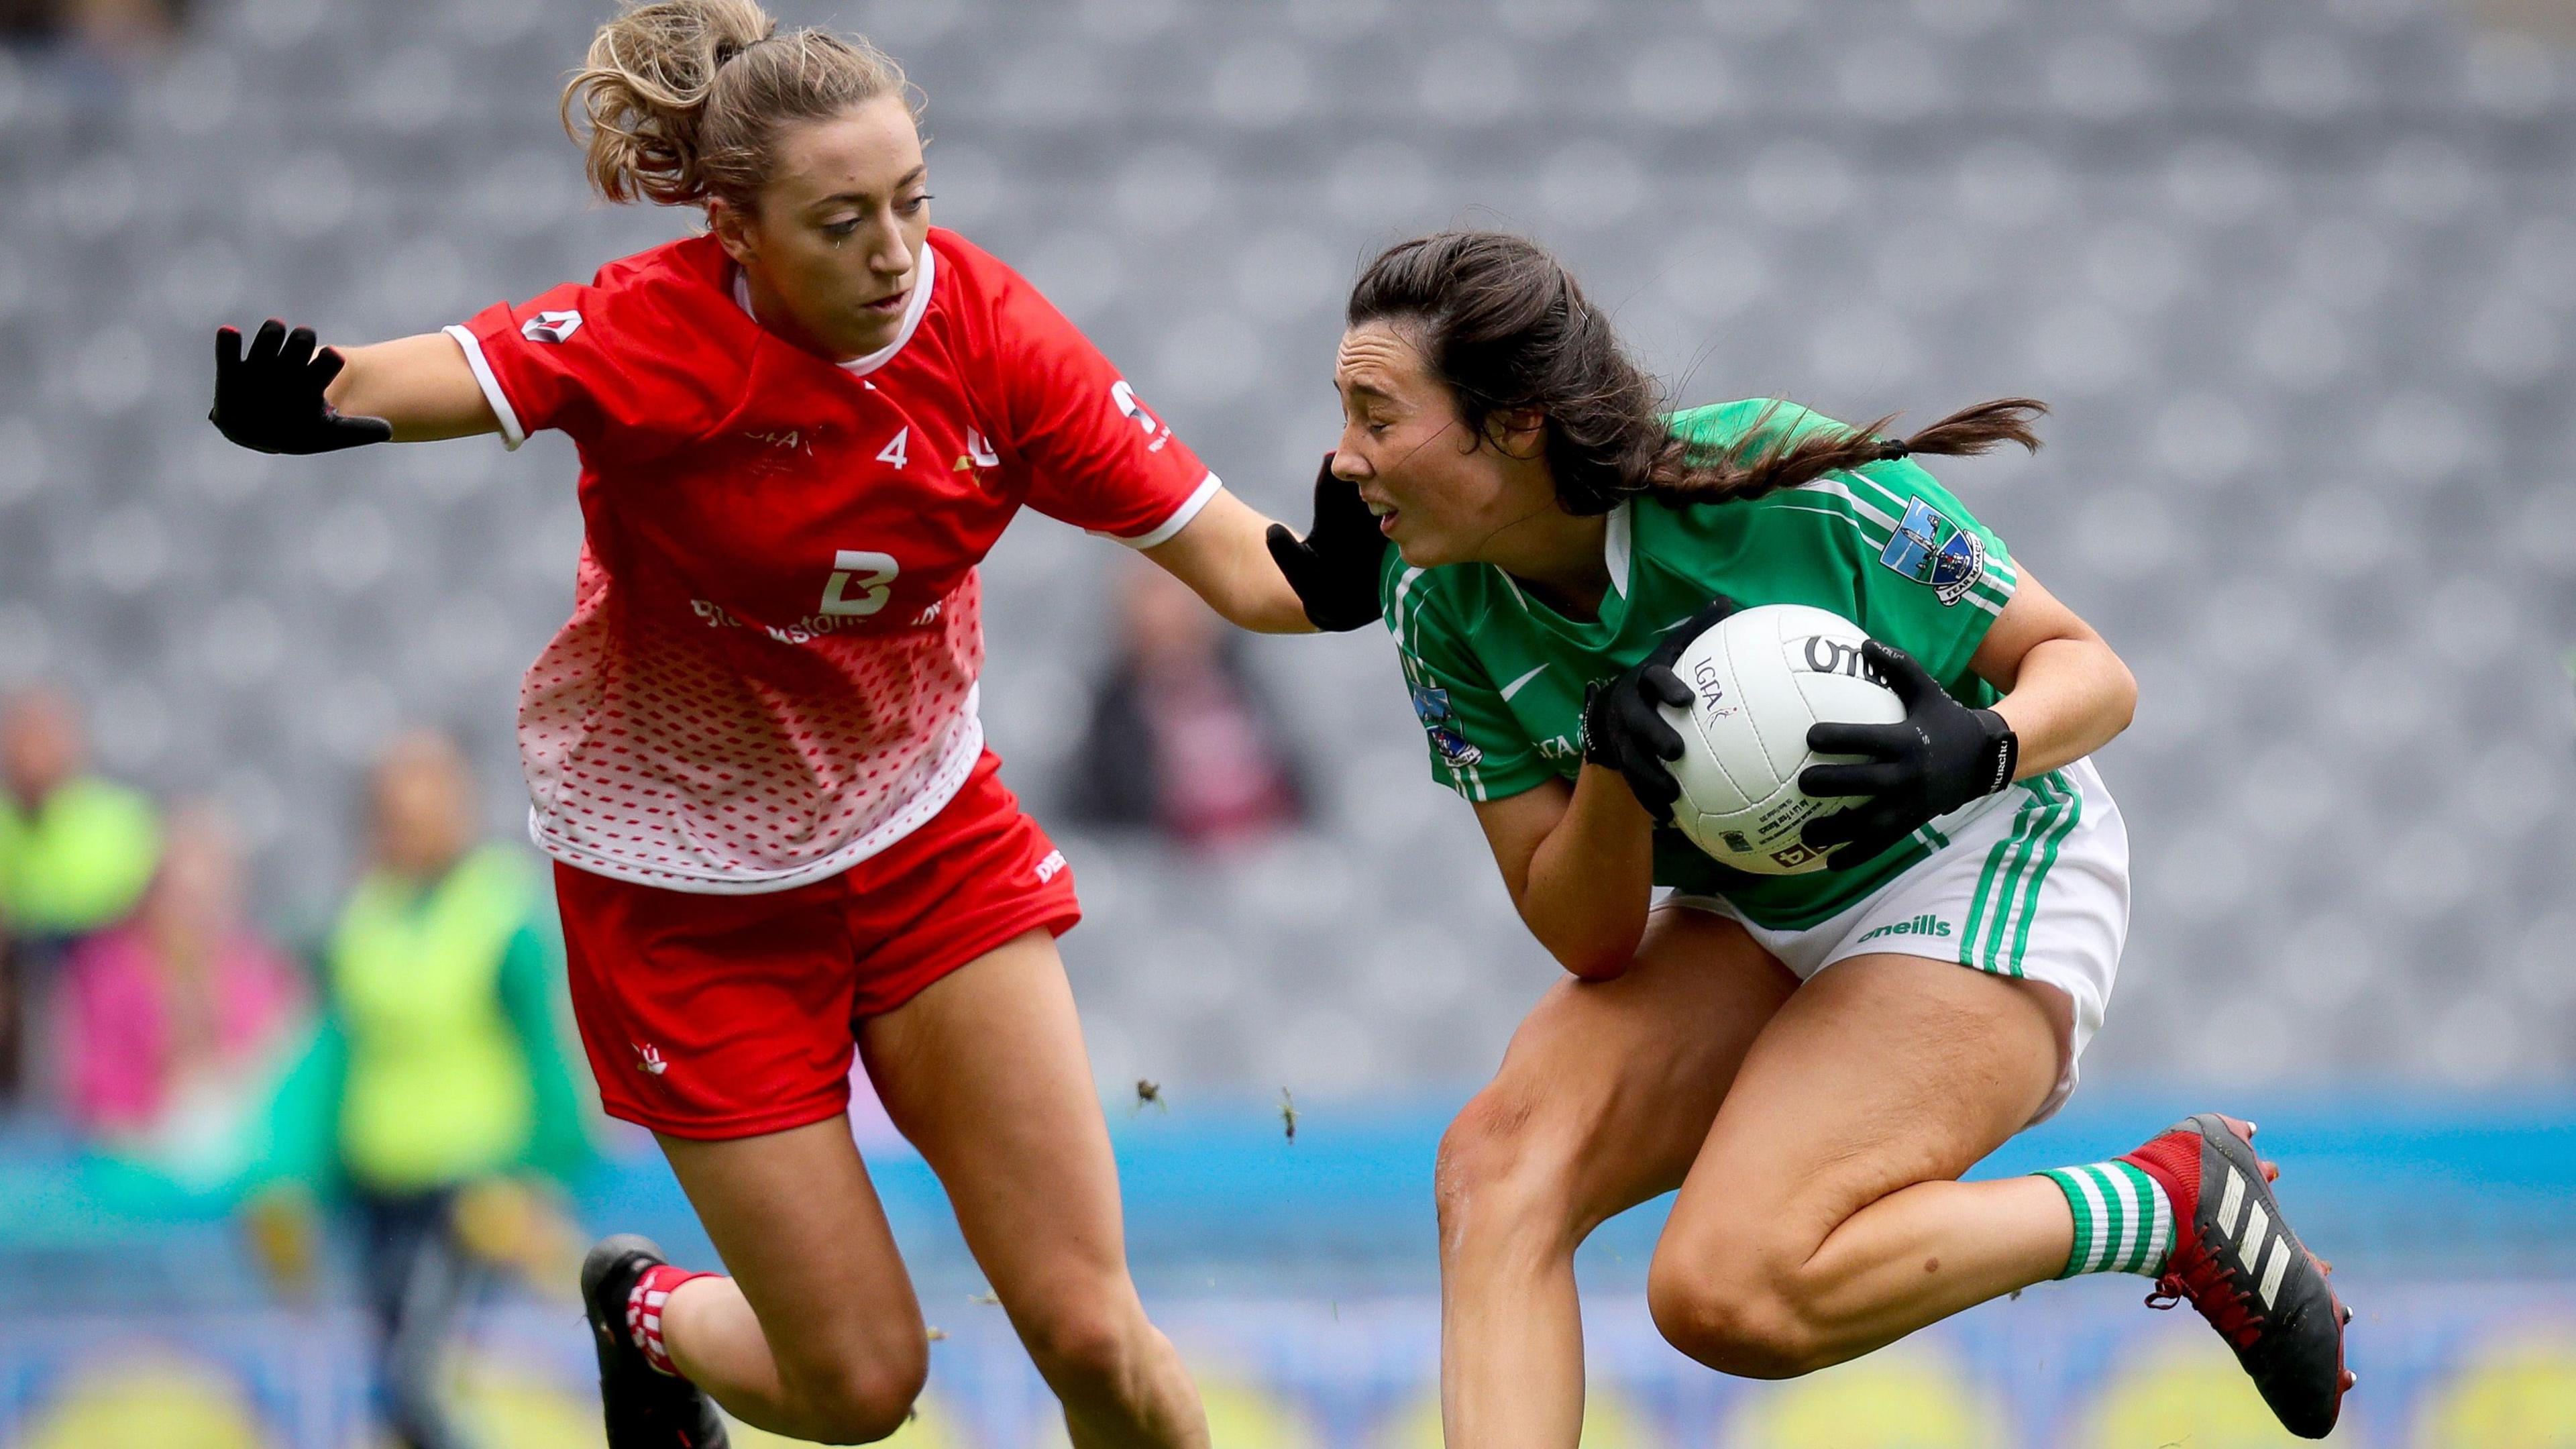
437 1097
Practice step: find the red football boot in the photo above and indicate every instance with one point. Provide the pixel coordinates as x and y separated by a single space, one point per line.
2236 1260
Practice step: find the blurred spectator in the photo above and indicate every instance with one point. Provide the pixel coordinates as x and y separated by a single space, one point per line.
75 853
1180 739
112 30
172 1024
439 1073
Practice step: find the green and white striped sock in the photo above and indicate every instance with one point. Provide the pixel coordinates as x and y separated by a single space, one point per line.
2123 1222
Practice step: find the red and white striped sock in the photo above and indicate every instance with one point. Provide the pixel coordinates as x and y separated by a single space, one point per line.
644 1303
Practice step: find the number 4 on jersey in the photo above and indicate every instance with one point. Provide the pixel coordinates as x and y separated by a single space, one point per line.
894 451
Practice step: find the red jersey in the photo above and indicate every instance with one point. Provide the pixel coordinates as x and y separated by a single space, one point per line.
769 674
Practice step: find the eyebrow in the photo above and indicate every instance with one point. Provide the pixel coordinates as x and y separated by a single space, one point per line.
910 178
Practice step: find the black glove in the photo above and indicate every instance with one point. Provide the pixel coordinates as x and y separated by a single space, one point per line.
1623 726
270 397
1334 568
1940 757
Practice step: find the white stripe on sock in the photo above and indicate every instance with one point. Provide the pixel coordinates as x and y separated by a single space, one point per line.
2101 1217
2136 1211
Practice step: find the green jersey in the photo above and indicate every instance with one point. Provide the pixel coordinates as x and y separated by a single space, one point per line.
1498 676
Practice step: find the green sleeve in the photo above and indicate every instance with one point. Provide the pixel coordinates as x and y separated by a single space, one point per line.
1941 579
1478 747
532 971
304 1113
1931 578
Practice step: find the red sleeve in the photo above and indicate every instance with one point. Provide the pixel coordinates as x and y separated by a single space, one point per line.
606 366
1098 458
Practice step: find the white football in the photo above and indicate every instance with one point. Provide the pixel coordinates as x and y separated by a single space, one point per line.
1758 679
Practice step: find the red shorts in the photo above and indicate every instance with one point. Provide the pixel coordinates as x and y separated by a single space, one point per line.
716 1017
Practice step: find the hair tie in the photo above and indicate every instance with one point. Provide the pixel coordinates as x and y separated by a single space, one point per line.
1890 452
731 49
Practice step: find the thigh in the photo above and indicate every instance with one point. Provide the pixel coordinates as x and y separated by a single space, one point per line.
984 1070
1612 1084
1881 1072
799 1227
711 1016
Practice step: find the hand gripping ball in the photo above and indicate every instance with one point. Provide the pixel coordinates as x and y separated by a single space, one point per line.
1757 680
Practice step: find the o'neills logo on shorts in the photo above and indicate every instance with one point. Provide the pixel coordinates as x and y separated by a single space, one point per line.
1924 925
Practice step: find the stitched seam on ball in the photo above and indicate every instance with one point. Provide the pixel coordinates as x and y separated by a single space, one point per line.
1726 641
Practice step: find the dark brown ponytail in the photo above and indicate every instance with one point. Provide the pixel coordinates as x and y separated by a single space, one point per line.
1784 458
1507 328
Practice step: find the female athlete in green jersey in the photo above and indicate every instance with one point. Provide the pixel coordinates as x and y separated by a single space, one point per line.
1558 539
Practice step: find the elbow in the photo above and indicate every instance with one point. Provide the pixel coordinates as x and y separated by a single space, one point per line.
2121 708
1604 956
1596 966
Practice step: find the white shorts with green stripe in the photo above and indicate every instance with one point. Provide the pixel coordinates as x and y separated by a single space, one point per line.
2036 886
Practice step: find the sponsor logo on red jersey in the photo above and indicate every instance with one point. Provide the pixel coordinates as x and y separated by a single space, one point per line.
1136 412
551 326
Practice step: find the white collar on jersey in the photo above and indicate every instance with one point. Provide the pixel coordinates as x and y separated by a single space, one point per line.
913 308
1615 553
1614 545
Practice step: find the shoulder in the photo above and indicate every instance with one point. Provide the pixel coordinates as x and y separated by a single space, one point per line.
682 272
1749 424
997 308
973 268
677 297
661 330
1751 421
973 279
99 799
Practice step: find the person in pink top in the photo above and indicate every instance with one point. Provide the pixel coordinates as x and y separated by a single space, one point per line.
171 1022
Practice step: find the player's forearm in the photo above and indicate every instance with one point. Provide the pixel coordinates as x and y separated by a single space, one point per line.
1221 556
420 384
1257 596
2071 697
1590 882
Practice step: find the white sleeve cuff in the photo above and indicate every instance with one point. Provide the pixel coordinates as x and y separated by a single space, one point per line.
1178 519
512 435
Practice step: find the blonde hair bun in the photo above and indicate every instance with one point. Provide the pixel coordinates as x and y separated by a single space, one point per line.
681 101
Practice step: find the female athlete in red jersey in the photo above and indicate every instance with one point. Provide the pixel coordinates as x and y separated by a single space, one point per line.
753 751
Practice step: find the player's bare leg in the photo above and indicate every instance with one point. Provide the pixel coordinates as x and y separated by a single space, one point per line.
1602 1102
986 1073
1821 1219
816 1335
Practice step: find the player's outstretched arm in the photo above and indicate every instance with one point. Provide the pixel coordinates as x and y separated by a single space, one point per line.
281 393
1221 554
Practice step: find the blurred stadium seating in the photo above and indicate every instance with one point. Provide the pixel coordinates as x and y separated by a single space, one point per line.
2298 275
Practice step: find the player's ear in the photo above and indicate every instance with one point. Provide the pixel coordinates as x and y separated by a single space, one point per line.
732 228
1519 433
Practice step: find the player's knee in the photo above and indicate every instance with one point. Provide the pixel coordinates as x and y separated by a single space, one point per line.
1731 1313
859 1399
1496 1170
1089 1350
